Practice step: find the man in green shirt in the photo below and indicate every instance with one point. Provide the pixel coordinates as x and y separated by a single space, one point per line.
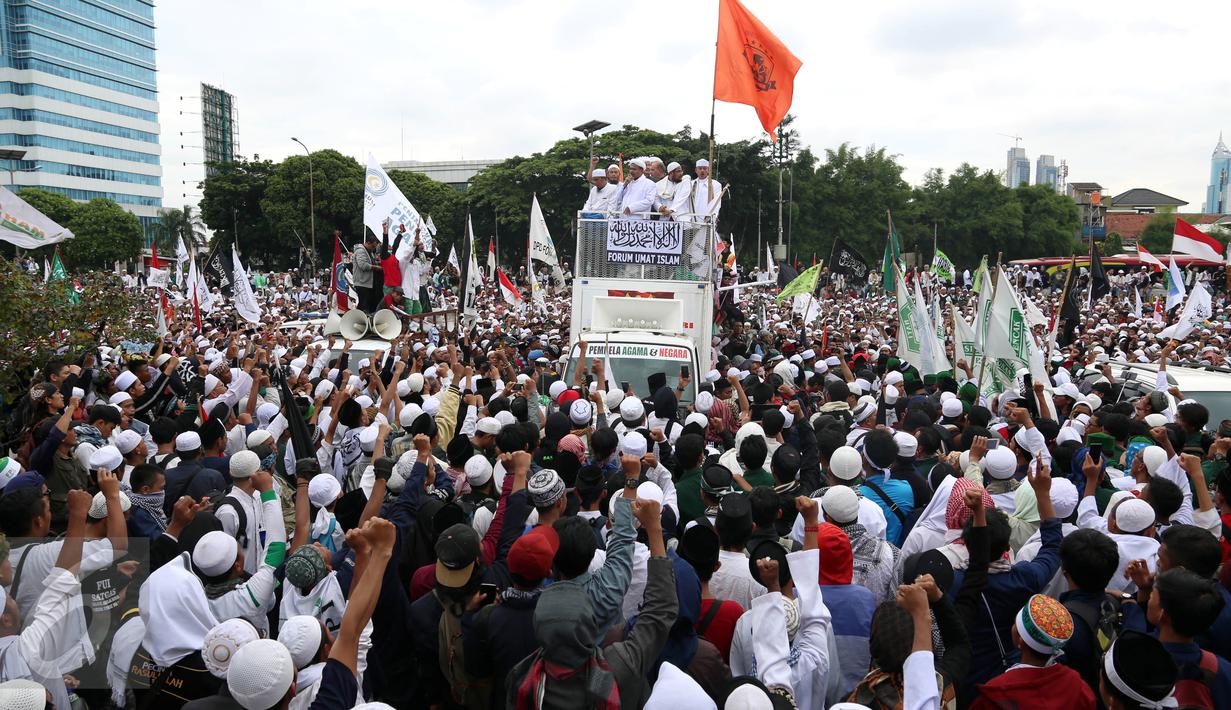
689 452
752 454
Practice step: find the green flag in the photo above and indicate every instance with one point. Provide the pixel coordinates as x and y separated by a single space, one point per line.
978 285
942 266
893 257
804 283
59 273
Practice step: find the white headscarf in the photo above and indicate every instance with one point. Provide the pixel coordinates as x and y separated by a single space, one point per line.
176 612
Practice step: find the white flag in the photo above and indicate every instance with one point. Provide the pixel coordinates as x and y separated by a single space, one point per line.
46 270
771 267
181 255
1196 311
474 281
934 356
1034 316
807 306
158 278
430 227
1175 285
25 226
383 200
536 291
245 301
541 247
1008 343
1136 302
983 312
160 322
964 340
453 259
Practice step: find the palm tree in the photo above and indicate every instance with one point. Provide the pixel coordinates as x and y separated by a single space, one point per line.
174 224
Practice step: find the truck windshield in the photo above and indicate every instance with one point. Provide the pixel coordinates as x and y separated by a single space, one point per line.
636 372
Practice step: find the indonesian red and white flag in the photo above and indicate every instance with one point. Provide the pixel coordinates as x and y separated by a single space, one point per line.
1158 312
1190 240
491 258
1148 258
507 289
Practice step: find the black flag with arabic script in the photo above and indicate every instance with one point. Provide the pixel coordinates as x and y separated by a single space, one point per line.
848 261
218 270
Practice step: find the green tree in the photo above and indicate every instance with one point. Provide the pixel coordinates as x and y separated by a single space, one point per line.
1156 237
1112 244
231 207
59 208
336 184
40 321
1049 223
103 233
175 224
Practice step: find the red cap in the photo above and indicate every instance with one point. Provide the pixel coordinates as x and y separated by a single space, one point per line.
567 396
531 556
836 559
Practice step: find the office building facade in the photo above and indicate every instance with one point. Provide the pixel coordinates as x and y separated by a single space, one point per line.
1017 171
1218 194
79 95
1045 172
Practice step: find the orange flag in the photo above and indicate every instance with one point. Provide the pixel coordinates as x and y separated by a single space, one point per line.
752 66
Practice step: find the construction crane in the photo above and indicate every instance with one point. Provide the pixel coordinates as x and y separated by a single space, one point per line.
1016 139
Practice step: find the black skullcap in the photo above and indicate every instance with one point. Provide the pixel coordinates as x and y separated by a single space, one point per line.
349 413
699 546
931 562
459 451
771 549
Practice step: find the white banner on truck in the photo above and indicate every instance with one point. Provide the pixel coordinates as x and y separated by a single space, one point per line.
640 241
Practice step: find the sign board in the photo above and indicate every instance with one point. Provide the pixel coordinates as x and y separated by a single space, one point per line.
641 241
640 351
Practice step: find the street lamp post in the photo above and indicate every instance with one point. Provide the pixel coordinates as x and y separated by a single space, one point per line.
11 155
588 129
311 208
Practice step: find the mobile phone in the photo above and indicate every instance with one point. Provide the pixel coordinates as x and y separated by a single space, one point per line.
589 380
488 592
1096 452
993 442
624 386
684 371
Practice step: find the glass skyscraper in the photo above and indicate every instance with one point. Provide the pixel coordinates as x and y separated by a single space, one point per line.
1017 169
1218 194
79 94
1045 172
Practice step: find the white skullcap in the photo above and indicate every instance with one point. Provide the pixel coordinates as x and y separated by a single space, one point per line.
407 416
705 400
1155 419
1067 434
415 382
673 166
891 395
1134 515
713 376
864 408
598 173
613 399
119 398
748 697
632 410
1001 463
324 389
364 401
244 464
650 490
258 437
1064 497
746 431
787 418
403 388
78 393
126 441
639 162
302 637
697 418
354 382
431 406
952 408
833 361
211 384
1153 457
733 372
215 553
895 378
478 470
265 414
124 380
9 468
323 489
488 425
223 642
107 457
22 694
580 412
98 506
907 444
188 441
367 438
364 363
846 463
555 388
702 163
506 418
633 443
260 674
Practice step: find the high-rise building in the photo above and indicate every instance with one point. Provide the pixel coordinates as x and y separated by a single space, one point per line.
1018 169
218 118
79 101
1045 172
1218 194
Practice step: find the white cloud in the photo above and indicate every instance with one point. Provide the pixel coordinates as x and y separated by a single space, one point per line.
1132 95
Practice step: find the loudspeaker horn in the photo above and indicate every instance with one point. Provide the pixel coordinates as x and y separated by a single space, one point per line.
387 324
333 323
354 324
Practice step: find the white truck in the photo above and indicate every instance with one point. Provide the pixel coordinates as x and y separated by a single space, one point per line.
643 300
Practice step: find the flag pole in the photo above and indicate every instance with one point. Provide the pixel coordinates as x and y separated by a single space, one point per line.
1068 279
990 304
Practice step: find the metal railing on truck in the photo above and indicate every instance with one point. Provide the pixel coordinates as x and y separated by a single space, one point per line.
643 246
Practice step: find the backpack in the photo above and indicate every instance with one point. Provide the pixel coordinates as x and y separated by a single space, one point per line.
241 532
464 690
1195 682
1105 621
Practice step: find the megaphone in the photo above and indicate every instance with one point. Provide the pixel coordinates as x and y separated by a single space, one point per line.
387 324
353 325
333 323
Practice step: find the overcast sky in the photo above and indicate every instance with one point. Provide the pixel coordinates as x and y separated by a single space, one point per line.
1132 94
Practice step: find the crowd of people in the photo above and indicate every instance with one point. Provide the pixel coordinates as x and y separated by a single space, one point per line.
244 515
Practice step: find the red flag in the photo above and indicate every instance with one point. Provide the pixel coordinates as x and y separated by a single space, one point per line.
752 66
814 258
507 289
1148 258
154 258
1190 240
335 273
